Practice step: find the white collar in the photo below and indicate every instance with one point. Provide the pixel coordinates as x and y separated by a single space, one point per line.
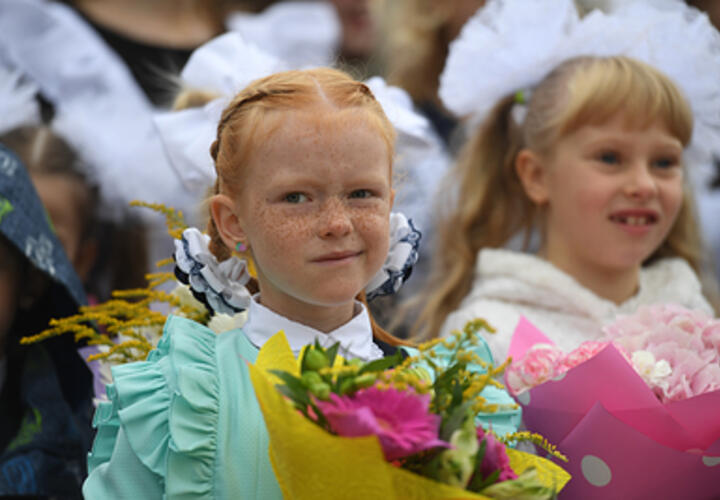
355 336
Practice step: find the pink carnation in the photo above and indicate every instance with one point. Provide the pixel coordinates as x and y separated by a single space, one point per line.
400 419
537 365
495 458
585 351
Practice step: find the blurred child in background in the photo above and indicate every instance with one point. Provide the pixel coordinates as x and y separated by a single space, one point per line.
590 159
106 255
45 389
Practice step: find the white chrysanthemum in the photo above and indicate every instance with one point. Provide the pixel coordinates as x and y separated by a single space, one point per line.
183 293
651 370
220 323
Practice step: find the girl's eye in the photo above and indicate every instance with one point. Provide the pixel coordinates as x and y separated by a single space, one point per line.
295 198
609 157
361 193
667 162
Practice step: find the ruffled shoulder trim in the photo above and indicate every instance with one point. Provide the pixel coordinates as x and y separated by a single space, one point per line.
167 407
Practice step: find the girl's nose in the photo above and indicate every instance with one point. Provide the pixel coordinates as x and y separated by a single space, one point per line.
641 184
334 219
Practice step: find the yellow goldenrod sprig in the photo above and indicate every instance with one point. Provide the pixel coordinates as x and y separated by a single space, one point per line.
537 440
127 325
123 349
174 219
165 262
156 279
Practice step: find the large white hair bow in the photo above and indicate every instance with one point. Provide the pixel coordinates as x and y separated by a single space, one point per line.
300 33
511 45
223 66
99 109
226 65
18 105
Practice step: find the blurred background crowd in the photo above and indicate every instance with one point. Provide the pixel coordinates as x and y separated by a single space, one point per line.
82 79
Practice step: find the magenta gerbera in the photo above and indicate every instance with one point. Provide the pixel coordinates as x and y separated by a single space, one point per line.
400 419
496 457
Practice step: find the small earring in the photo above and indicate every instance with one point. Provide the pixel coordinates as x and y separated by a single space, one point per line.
240 246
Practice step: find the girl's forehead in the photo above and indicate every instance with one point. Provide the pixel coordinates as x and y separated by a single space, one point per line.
625 123
305 121
335 131
330 144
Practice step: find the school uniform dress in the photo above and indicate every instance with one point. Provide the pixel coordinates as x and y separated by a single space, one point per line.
185 423
508 285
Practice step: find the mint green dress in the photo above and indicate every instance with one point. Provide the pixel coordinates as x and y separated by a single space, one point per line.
185 423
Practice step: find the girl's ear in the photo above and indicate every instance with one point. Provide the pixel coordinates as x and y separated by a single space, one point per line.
227 221
532 172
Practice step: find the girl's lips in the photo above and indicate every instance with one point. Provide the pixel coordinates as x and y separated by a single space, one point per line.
336 257
635 222
634 218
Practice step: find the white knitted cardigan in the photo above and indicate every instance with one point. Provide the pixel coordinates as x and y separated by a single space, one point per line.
510 284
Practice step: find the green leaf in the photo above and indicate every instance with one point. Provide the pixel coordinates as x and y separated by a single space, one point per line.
457 393
486 482
443 382
526 487
344 385
454 420
321 419
332 353
382 364
295 389
299 399
480 456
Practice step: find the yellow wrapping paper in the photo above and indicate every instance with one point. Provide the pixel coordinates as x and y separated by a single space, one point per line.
312 464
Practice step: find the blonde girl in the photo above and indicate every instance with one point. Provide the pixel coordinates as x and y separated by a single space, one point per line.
591 161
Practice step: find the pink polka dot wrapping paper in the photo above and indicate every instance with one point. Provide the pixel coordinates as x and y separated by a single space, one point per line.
621 441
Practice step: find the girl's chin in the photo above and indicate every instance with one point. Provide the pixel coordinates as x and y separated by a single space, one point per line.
625 263
331 301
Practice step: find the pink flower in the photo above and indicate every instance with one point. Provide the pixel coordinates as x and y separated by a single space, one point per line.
688 341
495 458
400 419
585 351
674 349
536 366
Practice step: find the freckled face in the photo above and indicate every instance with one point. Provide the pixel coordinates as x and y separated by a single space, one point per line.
316 206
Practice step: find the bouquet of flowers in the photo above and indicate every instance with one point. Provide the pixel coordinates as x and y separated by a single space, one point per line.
392 428
653 385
